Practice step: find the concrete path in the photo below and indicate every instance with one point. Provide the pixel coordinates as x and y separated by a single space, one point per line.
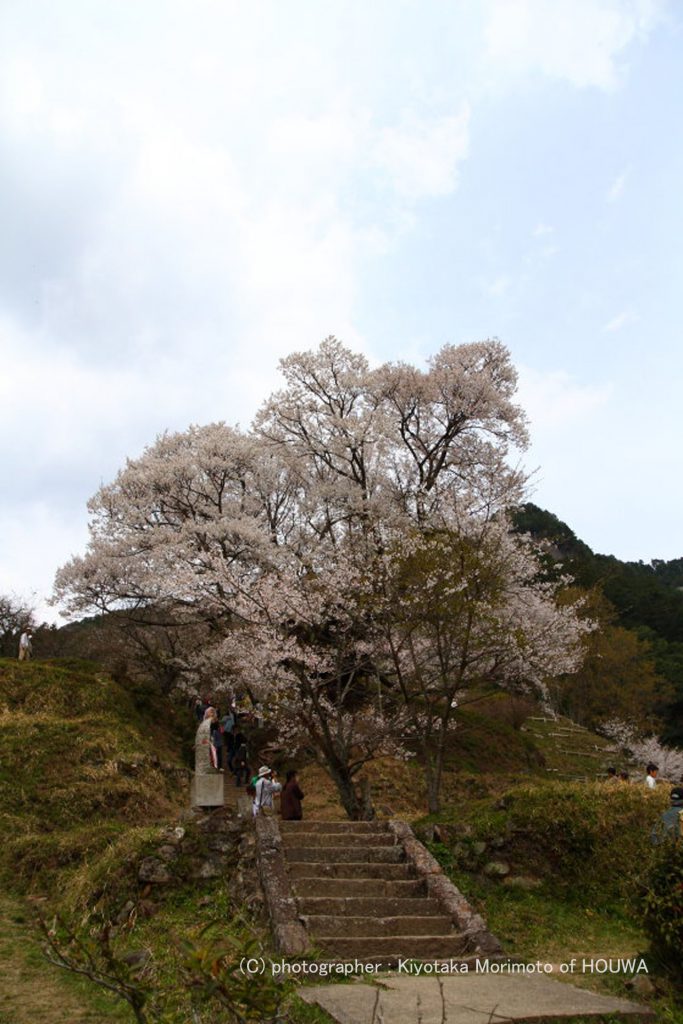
469 999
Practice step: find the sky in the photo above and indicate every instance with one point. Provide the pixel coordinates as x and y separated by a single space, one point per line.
191 190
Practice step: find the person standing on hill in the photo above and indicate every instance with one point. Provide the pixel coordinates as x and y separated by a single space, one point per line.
26 645
290 799
651 777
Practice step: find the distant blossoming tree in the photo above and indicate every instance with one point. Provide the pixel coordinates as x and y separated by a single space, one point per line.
349 556
646 749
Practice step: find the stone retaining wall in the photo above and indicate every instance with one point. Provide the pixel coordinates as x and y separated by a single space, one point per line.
291 938
467 921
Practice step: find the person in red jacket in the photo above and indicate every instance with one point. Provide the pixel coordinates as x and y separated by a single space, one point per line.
290 798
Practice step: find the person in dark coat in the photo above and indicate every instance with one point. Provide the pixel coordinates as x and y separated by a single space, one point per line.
229 728
290 799
240 761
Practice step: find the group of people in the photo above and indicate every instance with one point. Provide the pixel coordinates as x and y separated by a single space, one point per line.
670 824
222 736
651 772
613 777
265 787
220 745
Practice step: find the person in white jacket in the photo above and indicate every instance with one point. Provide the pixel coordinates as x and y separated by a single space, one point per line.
25 645
651 777
266 788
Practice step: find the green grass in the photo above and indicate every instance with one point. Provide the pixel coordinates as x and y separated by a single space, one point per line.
542 925
587 849
34 990
588 838
78 765
299 1012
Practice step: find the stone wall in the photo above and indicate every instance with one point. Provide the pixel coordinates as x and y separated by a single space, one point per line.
467 921
291 938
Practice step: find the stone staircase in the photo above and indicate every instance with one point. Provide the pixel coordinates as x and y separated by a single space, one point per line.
358 897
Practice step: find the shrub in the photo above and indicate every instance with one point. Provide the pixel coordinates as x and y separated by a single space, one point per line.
663 905
587 838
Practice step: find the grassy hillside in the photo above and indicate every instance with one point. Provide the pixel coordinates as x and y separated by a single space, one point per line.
92 771
92 774
559 869
82 758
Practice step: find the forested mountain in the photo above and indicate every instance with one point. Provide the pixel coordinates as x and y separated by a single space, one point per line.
646 598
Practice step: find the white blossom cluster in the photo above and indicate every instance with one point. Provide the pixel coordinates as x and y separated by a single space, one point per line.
646 749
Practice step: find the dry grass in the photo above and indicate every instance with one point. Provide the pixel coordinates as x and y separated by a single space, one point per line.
77 765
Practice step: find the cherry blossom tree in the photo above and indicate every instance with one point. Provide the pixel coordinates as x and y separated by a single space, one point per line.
349 557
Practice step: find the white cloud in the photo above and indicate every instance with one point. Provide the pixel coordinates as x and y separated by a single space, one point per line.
542 229
555 401
35 544
421 157
579 41
616 189
499 286
623 319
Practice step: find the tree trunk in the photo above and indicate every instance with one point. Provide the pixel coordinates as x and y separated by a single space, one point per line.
433 789
348 794
366 791
434 773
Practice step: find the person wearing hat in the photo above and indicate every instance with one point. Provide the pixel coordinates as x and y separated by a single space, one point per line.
265 789
670 825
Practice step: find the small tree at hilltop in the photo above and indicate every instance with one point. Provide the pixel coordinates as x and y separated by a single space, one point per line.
290 543
15 617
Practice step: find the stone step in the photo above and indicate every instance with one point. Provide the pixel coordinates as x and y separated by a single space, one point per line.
394 947
345 854
333 826
367 888
350 870
369 906
327 839
370 927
